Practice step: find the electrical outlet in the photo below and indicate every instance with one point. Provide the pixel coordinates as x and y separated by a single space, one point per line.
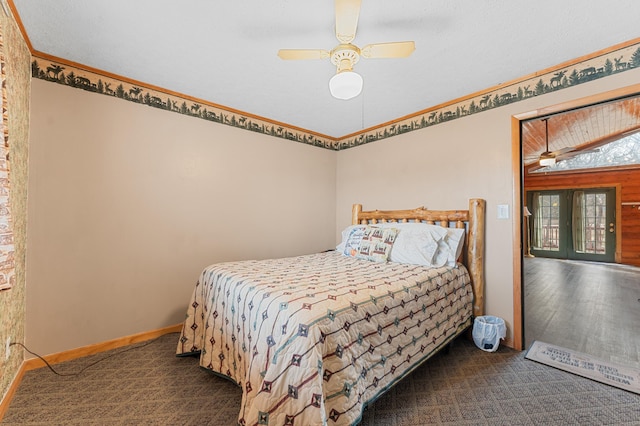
7 349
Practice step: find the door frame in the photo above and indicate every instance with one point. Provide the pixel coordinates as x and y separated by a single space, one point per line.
518 190
618 189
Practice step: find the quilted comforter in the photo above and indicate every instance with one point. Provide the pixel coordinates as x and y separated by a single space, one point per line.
313 339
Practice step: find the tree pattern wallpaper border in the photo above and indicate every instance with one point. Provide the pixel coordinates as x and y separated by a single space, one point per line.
612 62
78 78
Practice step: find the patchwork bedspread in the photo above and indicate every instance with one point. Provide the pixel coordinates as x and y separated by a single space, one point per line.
312 339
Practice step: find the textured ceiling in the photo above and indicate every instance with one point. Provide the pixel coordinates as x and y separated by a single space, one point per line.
226 52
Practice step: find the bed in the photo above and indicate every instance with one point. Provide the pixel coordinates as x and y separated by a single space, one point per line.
314 339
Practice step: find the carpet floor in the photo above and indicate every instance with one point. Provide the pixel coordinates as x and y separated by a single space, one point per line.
149 385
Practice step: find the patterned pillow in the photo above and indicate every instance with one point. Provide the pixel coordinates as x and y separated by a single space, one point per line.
376 243
351 242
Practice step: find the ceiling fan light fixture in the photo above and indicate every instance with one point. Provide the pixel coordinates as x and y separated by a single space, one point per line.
345 85
547 159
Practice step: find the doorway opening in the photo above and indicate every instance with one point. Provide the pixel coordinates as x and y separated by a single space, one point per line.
585 238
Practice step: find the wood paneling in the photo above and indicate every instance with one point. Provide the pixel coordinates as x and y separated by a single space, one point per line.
629 181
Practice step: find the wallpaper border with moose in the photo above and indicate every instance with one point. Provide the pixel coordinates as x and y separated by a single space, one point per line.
614 61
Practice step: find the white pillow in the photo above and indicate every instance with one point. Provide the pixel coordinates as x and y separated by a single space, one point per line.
416 243
452 244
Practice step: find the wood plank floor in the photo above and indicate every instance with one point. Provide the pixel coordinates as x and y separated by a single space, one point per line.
589 307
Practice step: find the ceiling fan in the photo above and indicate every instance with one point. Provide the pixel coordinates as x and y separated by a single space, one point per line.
548 158
347 84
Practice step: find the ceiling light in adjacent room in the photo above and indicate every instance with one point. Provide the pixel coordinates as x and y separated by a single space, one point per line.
547 159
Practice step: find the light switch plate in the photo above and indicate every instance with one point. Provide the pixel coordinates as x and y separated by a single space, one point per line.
503 211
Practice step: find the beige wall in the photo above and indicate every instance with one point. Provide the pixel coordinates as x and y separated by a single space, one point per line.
441 167
128 203
12 302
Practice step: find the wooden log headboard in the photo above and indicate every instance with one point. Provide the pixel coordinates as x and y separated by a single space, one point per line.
472 220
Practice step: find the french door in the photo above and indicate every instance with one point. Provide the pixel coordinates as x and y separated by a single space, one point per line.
573 224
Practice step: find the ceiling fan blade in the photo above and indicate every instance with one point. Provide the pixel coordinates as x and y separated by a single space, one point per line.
347 12
400 49
564 150
570 154
288 54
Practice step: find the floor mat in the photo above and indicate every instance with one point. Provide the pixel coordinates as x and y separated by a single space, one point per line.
627 378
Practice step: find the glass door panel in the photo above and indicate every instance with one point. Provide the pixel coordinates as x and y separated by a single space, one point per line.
573 224
593 225
548 221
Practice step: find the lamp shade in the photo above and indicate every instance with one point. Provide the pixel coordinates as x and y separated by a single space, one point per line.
345 85
526 211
